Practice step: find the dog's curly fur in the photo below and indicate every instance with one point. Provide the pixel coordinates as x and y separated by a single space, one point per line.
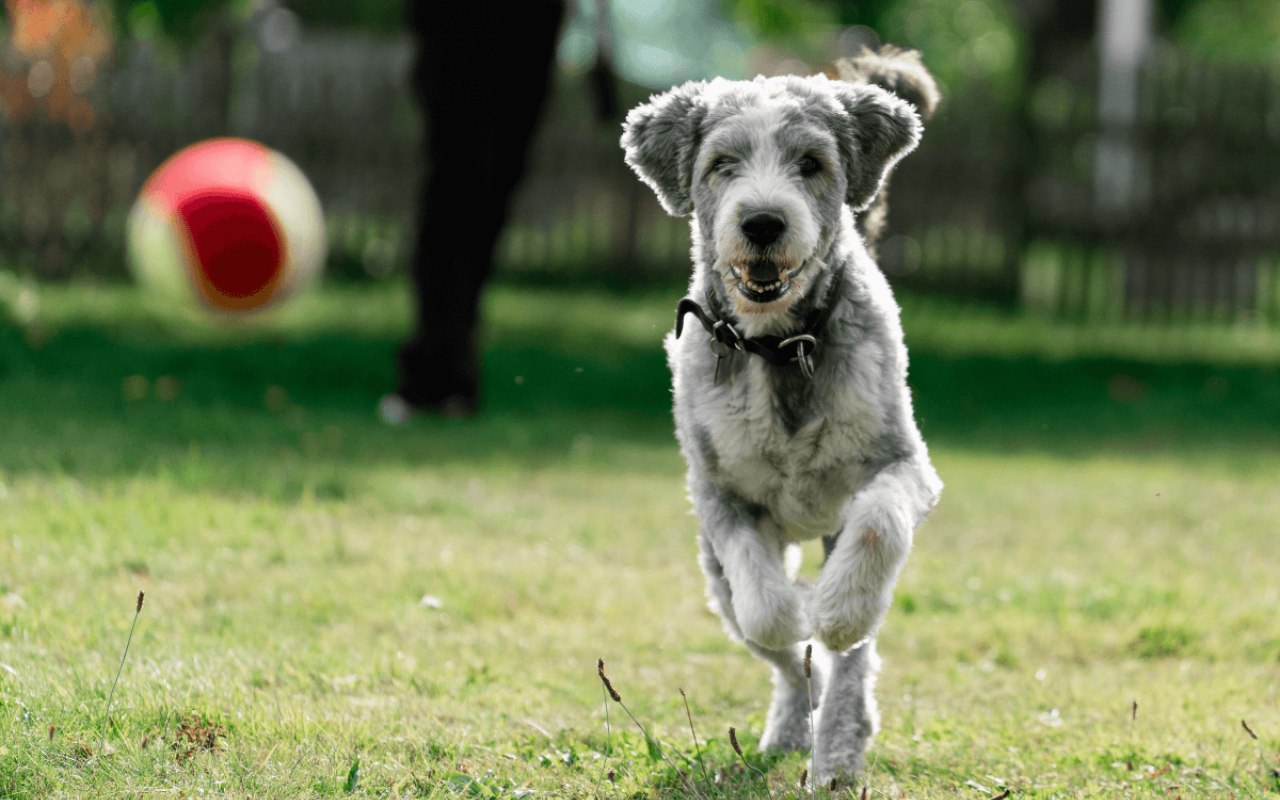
775 457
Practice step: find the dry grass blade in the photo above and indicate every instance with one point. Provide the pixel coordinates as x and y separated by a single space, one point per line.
106 717
737 748
195 734
653 743
808 678
608 733
1248 730
617 698
696 748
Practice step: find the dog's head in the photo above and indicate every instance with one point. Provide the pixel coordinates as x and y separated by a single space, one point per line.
766 167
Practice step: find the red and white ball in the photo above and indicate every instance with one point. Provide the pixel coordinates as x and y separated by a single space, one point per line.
229 225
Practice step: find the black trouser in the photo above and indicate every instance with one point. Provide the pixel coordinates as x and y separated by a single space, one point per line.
482 77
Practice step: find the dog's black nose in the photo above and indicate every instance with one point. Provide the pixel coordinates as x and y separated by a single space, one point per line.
763 228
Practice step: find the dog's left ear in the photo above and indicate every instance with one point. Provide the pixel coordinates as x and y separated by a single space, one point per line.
876 131
661 138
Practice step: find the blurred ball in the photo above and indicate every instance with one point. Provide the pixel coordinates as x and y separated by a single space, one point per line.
228 225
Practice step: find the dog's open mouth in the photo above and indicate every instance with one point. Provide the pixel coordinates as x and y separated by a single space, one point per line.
762 285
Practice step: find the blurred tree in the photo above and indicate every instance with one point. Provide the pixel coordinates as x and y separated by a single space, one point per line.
971 42
1007 44
1236 30
185 21
974 40
58 45
383 16
780 19
181 21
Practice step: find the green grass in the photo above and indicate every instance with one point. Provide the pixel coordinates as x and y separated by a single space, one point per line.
1107 535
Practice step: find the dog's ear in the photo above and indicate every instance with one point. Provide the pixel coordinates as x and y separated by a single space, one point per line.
661 139
876 130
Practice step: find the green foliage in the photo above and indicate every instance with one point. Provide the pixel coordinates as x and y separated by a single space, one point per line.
1233 30
185 21
863 12
780 19
973 41
383 16
182 21
976 40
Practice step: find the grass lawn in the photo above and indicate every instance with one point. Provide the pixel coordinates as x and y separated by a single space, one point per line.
336 608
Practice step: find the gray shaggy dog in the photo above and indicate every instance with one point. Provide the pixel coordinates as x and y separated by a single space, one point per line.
792 410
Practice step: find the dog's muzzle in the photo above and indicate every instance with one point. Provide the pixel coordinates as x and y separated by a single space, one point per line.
761 280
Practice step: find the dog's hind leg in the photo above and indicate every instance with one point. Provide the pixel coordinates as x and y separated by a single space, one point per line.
848 717
787 727
794 695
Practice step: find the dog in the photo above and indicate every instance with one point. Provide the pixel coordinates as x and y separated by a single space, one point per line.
793 412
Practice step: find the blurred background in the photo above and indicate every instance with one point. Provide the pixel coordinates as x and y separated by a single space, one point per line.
1091 160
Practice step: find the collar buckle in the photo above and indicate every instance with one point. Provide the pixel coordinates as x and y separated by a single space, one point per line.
724 338
803 357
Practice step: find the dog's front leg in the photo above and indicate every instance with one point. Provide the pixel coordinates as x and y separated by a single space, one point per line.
855 587
794 693
766 608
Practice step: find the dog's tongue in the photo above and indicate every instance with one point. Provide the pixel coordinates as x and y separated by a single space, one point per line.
762 271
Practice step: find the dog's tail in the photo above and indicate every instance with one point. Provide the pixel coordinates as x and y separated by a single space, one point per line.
903 73
894 70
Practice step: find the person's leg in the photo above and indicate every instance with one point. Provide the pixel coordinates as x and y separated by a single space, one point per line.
482 76
431 368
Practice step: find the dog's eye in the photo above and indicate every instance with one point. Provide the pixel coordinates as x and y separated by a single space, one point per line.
720 164
809 166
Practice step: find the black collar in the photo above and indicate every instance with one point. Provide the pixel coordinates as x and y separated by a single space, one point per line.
798 348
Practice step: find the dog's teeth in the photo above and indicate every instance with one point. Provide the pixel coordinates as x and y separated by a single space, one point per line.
761 287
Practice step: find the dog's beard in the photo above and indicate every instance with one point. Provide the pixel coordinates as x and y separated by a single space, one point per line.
761 286
763 280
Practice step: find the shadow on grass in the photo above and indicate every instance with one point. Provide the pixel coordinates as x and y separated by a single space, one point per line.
285 412
1088 406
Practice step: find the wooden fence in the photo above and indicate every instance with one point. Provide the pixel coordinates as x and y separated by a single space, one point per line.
989 206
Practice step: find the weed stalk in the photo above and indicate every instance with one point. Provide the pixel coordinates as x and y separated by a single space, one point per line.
696 748
617 698
106 721
608 732
813 738
737 748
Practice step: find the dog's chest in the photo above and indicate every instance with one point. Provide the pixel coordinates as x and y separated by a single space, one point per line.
802 464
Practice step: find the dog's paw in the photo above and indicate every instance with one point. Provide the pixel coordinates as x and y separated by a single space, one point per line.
788 732
843 615
836 777
772 615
